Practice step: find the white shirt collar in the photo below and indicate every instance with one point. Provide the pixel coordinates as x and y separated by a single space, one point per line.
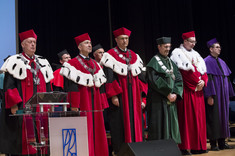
84 56
123 49
30 57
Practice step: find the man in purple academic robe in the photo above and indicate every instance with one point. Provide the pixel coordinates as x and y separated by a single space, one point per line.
217 93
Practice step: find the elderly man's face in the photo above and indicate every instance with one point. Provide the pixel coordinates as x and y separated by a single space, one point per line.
122 41
85 47
98 54
164 49
190 43
29 46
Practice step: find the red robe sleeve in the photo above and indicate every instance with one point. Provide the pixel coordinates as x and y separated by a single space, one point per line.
143 87
112 89
58 80
190 79
12 97
205 79
104 100
74 99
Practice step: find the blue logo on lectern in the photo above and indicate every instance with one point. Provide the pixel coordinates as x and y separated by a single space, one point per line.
69 142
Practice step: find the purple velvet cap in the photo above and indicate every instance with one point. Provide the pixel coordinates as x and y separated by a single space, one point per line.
211 42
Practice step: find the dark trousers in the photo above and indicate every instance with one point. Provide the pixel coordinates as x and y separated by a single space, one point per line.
221 142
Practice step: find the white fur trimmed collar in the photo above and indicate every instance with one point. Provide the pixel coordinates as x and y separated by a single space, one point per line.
121 68
186 59
81 78
17 65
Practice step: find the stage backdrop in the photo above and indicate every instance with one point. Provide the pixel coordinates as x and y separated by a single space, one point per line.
57 22
8 27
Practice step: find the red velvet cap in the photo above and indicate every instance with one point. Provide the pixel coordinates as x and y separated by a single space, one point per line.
82 38
121 31
26 34
188 35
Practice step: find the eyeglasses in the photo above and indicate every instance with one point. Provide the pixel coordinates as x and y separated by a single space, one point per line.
218 47
193 42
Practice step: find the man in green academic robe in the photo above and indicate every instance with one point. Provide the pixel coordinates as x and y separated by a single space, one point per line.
165 87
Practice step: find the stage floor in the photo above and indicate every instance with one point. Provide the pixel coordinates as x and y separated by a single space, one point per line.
227 152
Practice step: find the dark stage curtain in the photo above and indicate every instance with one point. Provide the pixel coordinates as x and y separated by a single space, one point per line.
57 22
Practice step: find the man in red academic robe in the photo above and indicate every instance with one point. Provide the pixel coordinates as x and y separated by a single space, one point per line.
122 67
191 109
98 52
25 74
82 80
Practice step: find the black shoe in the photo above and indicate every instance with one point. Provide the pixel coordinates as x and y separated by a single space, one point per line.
225 146
214 148
204 151
195 151
198 151
185 152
